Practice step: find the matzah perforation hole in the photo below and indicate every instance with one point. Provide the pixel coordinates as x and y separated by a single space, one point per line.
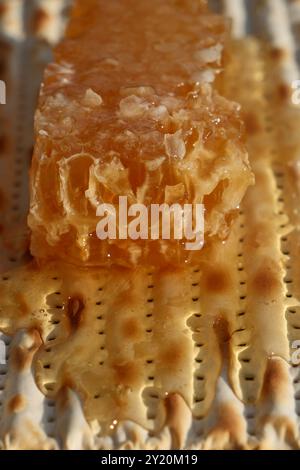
246 360
50 387
199 377
51 337
100 317
292 311
239 337
199 400
249 378
239 330
287 250
241 314
148 329
193 323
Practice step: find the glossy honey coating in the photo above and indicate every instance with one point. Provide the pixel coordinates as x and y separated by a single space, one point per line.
129 108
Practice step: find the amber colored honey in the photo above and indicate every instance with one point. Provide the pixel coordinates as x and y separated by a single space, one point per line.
129 108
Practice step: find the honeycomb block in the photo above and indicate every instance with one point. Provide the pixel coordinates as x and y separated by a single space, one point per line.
129 107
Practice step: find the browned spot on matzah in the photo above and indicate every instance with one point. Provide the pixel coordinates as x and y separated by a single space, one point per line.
172 355
126 374
266 282
16 404
21 304
221 329
131 329
74 311
216 280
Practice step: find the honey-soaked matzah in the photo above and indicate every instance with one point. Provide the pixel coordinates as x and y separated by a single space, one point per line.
195 358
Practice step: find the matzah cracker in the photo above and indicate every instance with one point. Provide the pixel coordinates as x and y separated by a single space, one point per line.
239 318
